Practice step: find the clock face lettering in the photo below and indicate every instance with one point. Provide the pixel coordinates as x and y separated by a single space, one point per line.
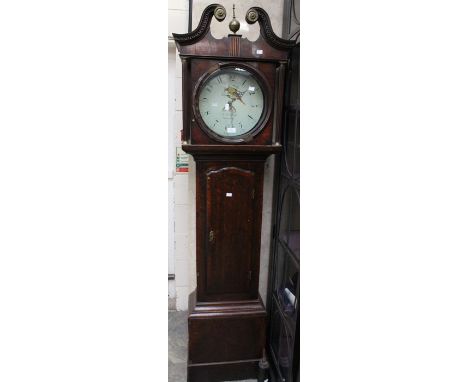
231 102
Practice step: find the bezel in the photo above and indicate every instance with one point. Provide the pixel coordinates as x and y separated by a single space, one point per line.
214 71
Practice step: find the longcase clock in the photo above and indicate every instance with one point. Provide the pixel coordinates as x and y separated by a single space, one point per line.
232 91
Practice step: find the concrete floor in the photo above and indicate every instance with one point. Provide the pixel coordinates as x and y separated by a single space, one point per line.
178 338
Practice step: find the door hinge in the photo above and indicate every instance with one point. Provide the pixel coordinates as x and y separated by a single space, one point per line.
249 275
253 193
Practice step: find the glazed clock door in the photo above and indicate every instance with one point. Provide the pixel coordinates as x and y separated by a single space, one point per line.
231 234
231 102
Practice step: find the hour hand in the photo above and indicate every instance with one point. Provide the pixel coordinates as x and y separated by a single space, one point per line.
229 107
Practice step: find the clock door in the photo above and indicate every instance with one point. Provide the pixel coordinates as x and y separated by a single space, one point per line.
232 233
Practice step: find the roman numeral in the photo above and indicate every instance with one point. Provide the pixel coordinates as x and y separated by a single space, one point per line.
250 117
220 81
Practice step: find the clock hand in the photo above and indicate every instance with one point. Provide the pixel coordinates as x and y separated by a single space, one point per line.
229 107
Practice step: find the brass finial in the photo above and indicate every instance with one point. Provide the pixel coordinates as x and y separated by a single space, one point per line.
234 25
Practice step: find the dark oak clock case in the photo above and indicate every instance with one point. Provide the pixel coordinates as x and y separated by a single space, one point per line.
226 314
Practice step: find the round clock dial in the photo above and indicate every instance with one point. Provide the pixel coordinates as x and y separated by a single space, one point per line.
231 102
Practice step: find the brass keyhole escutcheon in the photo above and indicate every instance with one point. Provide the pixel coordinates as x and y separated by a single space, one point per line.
211 236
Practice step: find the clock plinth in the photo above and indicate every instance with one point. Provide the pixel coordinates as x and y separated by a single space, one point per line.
232 92
226 340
